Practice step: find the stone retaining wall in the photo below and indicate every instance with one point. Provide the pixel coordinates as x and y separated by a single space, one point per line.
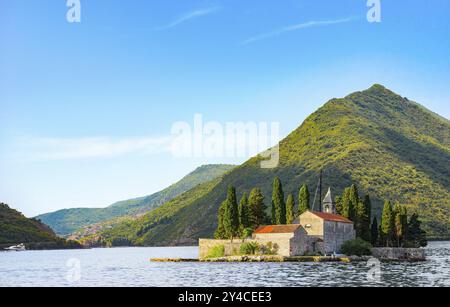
408 254
231 248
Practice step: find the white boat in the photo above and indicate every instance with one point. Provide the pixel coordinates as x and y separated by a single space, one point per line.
16 248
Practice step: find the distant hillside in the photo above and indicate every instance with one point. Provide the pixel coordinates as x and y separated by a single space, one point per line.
65 222
16 229
390 147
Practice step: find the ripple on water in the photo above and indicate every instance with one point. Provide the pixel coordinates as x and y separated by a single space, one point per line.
131 267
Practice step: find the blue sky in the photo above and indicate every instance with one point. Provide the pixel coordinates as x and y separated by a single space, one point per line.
85 107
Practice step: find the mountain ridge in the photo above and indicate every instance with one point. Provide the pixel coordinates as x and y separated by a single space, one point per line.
391 147
67 221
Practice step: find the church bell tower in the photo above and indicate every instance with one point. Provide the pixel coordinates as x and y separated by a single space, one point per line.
328 204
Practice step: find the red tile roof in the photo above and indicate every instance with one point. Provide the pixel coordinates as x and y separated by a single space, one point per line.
332 217
277 229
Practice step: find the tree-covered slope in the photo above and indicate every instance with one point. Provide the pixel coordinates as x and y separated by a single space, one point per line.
65 222
16 229
390 147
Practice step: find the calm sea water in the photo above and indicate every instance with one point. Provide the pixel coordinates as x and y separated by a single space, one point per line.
131 267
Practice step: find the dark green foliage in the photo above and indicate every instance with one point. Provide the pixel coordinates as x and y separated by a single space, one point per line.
357 247
363 219
400 224
257 209
65 222
231 214
338 203
244 212
249 248
290 209
416 235
16 228
374 233
347 205
387 225
303 200
278 204
368 207
354 203
220 231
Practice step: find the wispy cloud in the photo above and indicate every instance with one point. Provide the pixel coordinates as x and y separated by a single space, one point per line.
296 27
51 149
189 16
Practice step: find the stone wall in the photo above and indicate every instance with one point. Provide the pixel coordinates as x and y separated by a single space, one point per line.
408 254
336 234
231 248
313 225
281 240
289 244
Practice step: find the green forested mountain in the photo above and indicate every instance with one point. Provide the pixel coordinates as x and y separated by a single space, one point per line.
392 148
16 228
65 222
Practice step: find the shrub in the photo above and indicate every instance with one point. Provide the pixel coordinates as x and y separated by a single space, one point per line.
246 233
357 247
217 251
249 248
269 249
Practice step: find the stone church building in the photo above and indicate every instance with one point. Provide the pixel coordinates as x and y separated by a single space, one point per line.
312 232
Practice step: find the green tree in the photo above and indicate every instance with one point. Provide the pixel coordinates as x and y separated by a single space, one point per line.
244 212
338 202
368 207
400 214
404 214
290 209
303 200
220 231
231 219
387 224
257 209
374 232
348 208
354 200
278 204
363 214
416 235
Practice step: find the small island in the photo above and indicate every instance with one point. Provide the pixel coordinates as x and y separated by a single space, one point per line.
338 230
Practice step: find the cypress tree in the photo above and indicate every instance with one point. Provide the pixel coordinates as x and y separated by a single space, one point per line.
374 232
362 219
290 209
278 204
387 224
257 209
347 207
231 219
362 224
354 203
338 202
416 236
303 200
244 212
399 229
368 207
404 217
220 231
